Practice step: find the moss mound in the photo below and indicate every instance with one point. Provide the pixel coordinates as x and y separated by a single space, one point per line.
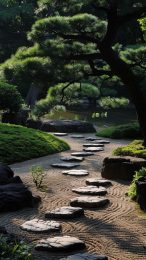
135 149
19 143
127 131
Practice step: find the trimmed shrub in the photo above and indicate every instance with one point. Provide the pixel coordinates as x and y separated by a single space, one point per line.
135 149
10 98
19 143
128 131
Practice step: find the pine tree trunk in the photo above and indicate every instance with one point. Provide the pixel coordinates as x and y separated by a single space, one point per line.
131 81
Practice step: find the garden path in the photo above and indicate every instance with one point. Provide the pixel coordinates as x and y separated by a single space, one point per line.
117 231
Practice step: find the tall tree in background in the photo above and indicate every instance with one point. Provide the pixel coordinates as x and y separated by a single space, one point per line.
81 38
94 29
16 19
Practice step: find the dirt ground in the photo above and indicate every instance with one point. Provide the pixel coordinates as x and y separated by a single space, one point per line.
118 231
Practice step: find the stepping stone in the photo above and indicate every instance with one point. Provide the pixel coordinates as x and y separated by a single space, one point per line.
93 145
85 256
90 190
58 244
103 142
82 154
60 134
72 159
76 172
93 139
77 136
93 149
36 225
65 165
89 202
65 212
98 182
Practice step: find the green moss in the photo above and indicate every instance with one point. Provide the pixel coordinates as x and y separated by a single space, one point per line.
128 131
135 149
19 143
132 192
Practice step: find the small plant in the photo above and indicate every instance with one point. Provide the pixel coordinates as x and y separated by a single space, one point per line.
37 175
132 192
15 250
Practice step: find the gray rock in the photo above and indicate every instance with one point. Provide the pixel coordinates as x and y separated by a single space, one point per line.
98 182
84 154
90 190
37 225
65 165
60 134
93 139
93 149
89 202
77 136
15 196
72 159
65 212
93 145
62 243
85 256
103 141
76 172
67 126
123 168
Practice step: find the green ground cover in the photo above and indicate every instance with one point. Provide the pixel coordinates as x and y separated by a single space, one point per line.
135 149
19 143
126 131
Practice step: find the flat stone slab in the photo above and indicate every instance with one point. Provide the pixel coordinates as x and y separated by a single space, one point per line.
65 212
65 165
36 225
62 243
93 145
85 256
76 172
60 134
98 182
90 190
93 149
102 142
77 136
84 154
93 139
89 202
72 159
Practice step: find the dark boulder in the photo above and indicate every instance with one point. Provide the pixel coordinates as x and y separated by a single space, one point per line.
141 193
68 126
14 194
123 168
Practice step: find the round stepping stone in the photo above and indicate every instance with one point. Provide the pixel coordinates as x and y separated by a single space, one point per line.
85 256
93 149
65 212
76 173
98 182
72 159
93 139
77 136
90 190
58 244
89 202
36 225
84 154
60 134
65 165
93 145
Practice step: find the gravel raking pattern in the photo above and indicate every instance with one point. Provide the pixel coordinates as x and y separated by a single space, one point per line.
116 230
